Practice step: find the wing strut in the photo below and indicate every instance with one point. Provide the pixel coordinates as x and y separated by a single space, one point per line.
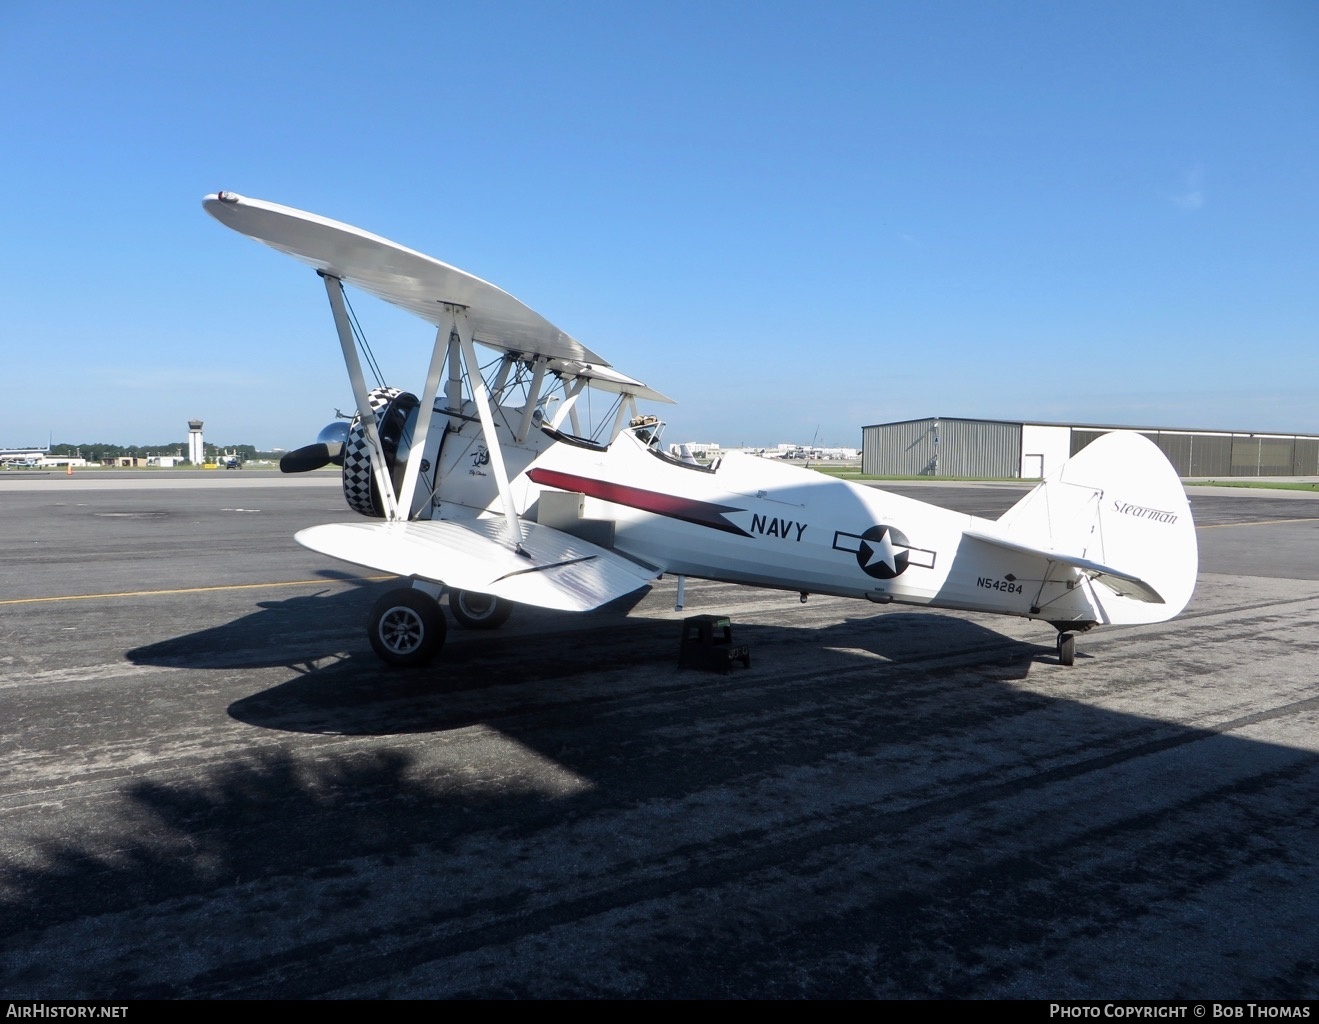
569 402
438 356
334 289
464 329
453 391
533 396
506 365
627 407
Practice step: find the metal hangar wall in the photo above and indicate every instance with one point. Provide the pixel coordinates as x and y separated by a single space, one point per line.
1001 449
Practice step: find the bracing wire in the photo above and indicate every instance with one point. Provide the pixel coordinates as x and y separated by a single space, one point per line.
508 388
608 417
485 374
497 407
360 335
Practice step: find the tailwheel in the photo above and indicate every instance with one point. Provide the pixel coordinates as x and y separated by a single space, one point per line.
478 611
1066 648
406 628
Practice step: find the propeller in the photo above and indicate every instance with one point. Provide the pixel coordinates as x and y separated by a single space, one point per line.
327 449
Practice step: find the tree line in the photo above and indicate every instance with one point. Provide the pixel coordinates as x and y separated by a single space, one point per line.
100 451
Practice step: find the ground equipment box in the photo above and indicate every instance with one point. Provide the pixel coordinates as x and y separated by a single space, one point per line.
707 643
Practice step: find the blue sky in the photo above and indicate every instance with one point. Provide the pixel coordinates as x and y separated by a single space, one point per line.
790 217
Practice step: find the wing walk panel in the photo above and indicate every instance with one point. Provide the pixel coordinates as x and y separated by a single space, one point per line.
562 572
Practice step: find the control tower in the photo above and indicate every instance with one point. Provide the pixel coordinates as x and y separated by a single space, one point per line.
196 453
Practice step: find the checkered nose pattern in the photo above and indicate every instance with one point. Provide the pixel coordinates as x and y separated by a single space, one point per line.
357 456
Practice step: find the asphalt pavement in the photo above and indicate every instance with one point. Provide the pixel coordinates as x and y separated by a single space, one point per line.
211 787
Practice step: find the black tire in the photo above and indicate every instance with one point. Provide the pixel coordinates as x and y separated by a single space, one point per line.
478 611
1066 648
406 628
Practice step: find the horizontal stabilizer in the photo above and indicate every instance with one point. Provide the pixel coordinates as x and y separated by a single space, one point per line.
557 570
1121 583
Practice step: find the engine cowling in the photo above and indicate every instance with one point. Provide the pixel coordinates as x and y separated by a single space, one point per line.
396 416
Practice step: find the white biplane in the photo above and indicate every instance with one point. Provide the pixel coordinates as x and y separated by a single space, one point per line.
488 486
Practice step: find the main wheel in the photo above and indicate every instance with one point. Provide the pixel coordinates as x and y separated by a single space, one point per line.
478 611
406 628
1066 648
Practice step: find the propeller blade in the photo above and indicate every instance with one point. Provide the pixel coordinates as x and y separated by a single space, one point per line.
311 456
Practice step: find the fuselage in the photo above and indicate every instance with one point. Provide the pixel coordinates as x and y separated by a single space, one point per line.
758 522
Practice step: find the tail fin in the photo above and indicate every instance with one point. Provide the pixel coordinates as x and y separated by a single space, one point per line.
1117 503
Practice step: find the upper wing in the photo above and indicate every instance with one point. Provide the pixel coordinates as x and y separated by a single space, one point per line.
415 282
558 570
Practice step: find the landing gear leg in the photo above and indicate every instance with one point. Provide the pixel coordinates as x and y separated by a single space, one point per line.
1066 648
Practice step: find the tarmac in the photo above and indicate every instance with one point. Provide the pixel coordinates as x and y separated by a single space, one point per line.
212 788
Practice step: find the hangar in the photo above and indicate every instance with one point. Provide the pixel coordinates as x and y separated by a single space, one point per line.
1001 449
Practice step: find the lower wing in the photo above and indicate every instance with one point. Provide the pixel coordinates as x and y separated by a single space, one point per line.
553 570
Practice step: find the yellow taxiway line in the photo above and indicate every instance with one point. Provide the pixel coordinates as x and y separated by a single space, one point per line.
377 579
194 590
1259 522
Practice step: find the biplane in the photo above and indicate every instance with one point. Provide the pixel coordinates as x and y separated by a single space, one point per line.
489 486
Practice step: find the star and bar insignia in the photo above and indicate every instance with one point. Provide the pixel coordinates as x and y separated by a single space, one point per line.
883 551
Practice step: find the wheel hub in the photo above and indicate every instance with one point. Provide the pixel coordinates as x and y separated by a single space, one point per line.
478 606
401 630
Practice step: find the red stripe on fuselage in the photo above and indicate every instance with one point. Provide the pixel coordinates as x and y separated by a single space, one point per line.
689 510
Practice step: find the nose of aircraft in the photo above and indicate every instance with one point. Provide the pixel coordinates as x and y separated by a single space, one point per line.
327 449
